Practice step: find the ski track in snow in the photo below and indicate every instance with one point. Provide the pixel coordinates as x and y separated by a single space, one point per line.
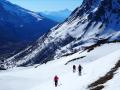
96 64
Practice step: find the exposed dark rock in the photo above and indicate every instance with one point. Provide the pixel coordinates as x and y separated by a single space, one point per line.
75 59
102 80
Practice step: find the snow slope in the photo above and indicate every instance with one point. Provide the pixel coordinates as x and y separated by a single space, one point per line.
95 64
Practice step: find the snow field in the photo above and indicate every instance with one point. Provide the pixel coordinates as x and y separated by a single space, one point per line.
96 64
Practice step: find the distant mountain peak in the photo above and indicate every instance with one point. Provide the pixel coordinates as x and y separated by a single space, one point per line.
66 10
58 16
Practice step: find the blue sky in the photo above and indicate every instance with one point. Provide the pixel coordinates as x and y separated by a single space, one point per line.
47 5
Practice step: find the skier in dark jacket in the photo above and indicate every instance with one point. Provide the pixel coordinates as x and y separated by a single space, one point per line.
79 70
56 80
74 68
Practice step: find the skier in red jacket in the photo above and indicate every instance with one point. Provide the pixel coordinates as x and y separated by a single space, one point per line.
56 80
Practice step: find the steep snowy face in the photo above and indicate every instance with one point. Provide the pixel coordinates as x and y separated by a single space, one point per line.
86 7
92 21
95 21
108 10
108 13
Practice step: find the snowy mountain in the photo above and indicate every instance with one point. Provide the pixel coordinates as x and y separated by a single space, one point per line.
19 27
58 16
94 23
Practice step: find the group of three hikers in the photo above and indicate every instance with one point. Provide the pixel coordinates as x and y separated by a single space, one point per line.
56 78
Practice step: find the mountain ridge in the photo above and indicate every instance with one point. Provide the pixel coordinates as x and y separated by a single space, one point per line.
19 28
86 26
58 16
